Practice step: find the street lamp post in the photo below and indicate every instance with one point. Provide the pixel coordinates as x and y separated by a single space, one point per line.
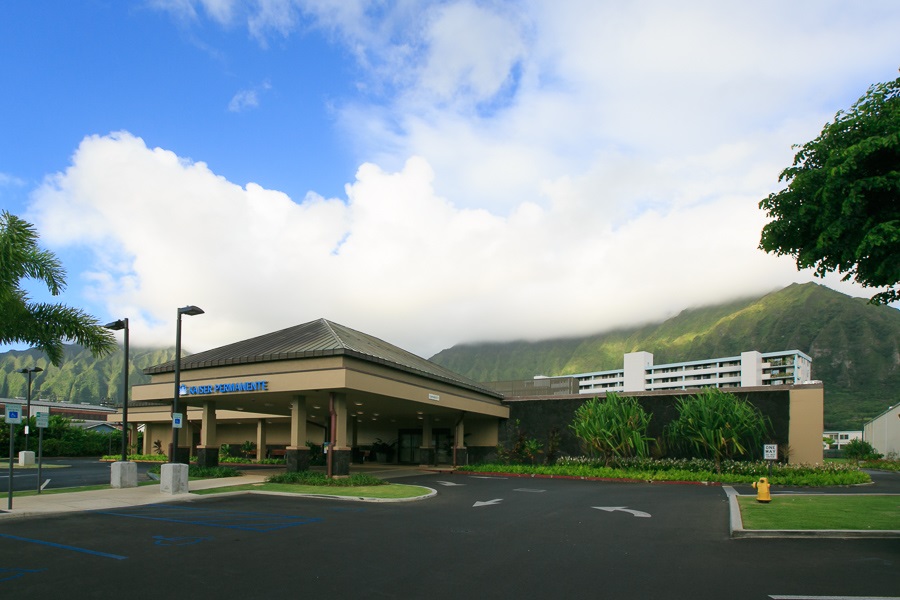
190 311
29 371
116 326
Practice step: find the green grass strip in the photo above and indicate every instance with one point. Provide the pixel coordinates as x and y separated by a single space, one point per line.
852 511
391 491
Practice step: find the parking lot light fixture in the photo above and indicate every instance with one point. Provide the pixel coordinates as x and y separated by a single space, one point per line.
29 371
122 324
190 311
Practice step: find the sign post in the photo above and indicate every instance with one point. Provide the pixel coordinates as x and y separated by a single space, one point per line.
13 417
770 453
43 421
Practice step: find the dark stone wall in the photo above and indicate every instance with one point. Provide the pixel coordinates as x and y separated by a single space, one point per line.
539 417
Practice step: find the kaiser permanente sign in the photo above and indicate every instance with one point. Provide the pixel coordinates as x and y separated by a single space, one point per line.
224 388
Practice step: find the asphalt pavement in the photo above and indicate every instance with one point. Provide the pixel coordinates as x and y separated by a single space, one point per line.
478 536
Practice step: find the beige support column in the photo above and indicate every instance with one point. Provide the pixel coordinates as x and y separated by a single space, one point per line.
208 450
260 439
426 451
338 460
340 428
298 423
208 426
459 446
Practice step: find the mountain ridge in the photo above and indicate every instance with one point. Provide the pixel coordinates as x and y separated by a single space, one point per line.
853 344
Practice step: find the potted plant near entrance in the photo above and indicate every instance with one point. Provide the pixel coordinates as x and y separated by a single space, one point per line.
384 451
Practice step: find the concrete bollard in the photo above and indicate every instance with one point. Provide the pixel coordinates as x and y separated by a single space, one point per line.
123 474
174 479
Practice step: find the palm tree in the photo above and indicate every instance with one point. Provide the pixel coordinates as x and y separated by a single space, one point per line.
41 325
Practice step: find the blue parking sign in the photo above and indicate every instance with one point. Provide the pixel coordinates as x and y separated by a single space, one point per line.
13 413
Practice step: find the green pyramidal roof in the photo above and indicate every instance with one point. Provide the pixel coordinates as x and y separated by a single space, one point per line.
320 338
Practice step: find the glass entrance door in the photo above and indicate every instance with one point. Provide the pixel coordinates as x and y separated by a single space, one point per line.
408 443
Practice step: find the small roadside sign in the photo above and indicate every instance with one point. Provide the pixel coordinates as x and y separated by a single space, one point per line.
176 420
14 413
770 451
43 419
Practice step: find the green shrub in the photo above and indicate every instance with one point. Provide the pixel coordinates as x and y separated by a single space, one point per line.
614 427
203 472
317 478
137 457
647 469
882 464
718 425
860 450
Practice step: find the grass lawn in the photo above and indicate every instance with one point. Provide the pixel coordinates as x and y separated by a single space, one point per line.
390 491
851 511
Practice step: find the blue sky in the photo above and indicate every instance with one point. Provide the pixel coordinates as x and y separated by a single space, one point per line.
428 172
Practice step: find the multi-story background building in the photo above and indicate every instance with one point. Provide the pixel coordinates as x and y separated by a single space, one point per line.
750 369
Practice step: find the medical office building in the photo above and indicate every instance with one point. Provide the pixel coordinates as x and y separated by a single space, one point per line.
291 392
318 382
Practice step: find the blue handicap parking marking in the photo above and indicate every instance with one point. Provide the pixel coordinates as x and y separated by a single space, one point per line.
227 519
62 546
9 574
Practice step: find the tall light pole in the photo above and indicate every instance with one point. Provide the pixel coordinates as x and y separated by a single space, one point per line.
190 311
28 409
116 326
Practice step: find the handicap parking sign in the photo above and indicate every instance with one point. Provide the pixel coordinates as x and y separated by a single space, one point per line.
13 413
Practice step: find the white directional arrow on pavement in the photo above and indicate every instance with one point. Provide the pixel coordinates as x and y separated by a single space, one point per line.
636 513
448 483
488 503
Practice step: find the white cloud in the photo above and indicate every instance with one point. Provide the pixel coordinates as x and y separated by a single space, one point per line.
529 170
248 98
394 258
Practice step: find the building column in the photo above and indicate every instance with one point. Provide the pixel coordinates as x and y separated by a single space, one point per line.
184 437
459 446
338 450
426 451
297 453
208 450
260 439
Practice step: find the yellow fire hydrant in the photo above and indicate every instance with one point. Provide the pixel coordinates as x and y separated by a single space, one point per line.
762 490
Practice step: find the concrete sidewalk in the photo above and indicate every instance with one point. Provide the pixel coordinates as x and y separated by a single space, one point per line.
63 502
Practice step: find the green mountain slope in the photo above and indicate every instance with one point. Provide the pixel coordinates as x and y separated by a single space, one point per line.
81 377
854 346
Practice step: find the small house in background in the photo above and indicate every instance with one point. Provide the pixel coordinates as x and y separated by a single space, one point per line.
839 439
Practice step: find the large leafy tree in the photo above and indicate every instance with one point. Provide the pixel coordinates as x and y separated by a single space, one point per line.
42 325
840 211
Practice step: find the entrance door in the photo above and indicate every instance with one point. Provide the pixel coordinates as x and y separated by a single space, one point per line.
408 443
443 446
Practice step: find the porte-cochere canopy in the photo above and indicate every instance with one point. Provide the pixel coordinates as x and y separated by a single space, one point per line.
316 382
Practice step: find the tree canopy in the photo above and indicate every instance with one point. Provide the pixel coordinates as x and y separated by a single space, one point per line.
840 211
42 325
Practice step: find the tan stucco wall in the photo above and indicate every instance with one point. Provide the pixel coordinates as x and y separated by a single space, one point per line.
806 425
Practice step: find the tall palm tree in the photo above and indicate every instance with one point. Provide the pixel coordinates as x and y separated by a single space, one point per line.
41 325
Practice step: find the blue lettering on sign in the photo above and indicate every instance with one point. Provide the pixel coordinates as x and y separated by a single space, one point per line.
226 388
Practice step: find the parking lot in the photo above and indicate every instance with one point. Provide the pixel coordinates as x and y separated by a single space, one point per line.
478 537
